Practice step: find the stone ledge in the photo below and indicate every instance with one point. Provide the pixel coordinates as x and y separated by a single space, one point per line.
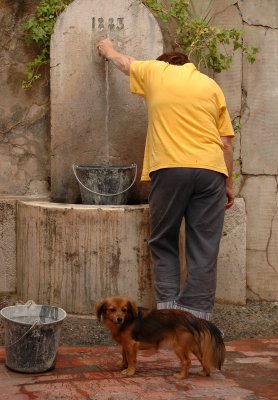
62 244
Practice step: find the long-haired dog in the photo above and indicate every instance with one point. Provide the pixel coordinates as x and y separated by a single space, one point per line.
178 330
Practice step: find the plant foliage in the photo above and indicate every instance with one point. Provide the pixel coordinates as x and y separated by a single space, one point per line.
209 46
38 30
202 42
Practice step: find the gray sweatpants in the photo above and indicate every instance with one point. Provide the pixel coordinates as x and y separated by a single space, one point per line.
199 196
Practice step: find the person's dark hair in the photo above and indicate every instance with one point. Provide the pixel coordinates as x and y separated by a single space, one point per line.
175 58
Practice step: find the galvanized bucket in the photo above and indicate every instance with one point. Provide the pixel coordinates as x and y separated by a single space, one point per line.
32 335
104 183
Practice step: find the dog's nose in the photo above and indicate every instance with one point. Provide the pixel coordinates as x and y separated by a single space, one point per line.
119 319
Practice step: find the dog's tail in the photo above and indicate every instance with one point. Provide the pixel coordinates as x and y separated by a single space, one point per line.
211 345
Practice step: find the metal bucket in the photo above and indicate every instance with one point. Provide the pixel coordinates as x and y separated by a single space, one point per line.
105 184
32 334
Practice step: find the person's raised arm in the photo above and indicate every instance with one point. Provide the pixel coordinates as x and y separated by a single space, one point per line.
228 156
121 61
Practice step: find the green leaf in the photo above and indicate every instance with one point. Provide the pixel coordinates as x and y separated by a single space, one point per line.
38 30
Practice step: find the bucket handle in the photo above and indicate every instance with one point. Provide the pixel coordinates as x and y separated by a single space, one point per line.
34 324
37 322
134 165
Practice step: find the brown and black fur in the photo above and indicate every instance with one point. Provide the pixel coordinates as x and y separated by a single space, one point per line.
176 329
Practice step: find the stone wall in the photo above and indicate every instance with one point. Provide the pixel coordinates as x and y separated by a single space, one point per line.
251 92
24 115
259 149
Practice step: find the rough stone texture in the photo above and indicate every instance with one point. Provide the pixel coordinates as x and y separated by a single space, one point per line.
259 133
259 12
260 194
7 245
24 125
259 150
231 277
227 16
262 278
94 117
74 255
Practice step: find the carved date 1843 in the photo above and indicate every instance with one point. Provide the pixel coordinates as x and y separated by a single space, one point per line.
110 24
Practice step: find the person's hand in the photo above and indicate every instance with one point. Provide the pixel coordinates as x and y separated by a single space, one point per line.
105 48
230 197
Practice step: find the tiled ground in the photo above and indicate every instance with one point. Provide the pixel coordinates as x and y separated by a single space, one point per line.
250 373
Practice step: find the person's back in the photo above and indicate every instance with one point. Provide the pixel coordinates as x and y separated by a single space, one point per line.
186 114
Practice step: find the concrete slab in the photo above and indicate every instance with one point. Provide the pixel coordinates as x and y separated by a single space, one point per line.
249 373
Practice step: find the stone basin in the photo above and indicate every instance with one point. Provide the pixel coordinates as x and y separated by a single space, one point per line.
73 255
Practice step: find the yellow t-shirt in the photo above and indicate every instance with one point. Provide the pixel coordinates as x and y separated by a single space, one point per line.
187 114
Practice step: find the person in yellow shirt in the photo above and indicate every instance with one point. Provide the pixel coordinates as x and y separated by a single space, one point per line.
189 161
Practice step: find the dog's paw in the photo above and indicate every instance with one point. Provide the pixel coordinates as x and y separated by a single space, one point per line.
122 365
204 373
180 375
128 371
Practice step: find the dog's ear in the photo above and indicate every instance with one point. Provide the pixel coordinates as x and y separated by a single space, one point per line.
132 309
101 308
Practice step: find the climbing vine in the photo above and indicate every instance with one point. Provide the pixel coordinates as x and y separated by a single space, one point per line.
207 45
38 30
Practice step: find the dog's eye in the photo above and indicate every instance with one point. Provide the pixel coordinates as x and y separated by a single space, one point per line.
124 309
112 309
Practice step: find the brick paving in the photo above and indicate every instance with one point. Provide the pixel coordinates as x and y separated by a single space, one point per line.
250 373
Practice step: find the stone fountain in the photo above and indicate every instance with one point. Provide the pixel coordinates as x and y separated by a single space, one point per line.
83 252
71 254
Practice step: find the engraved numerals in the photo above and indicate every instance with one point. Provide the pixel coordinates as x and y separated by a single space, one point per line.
111 24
